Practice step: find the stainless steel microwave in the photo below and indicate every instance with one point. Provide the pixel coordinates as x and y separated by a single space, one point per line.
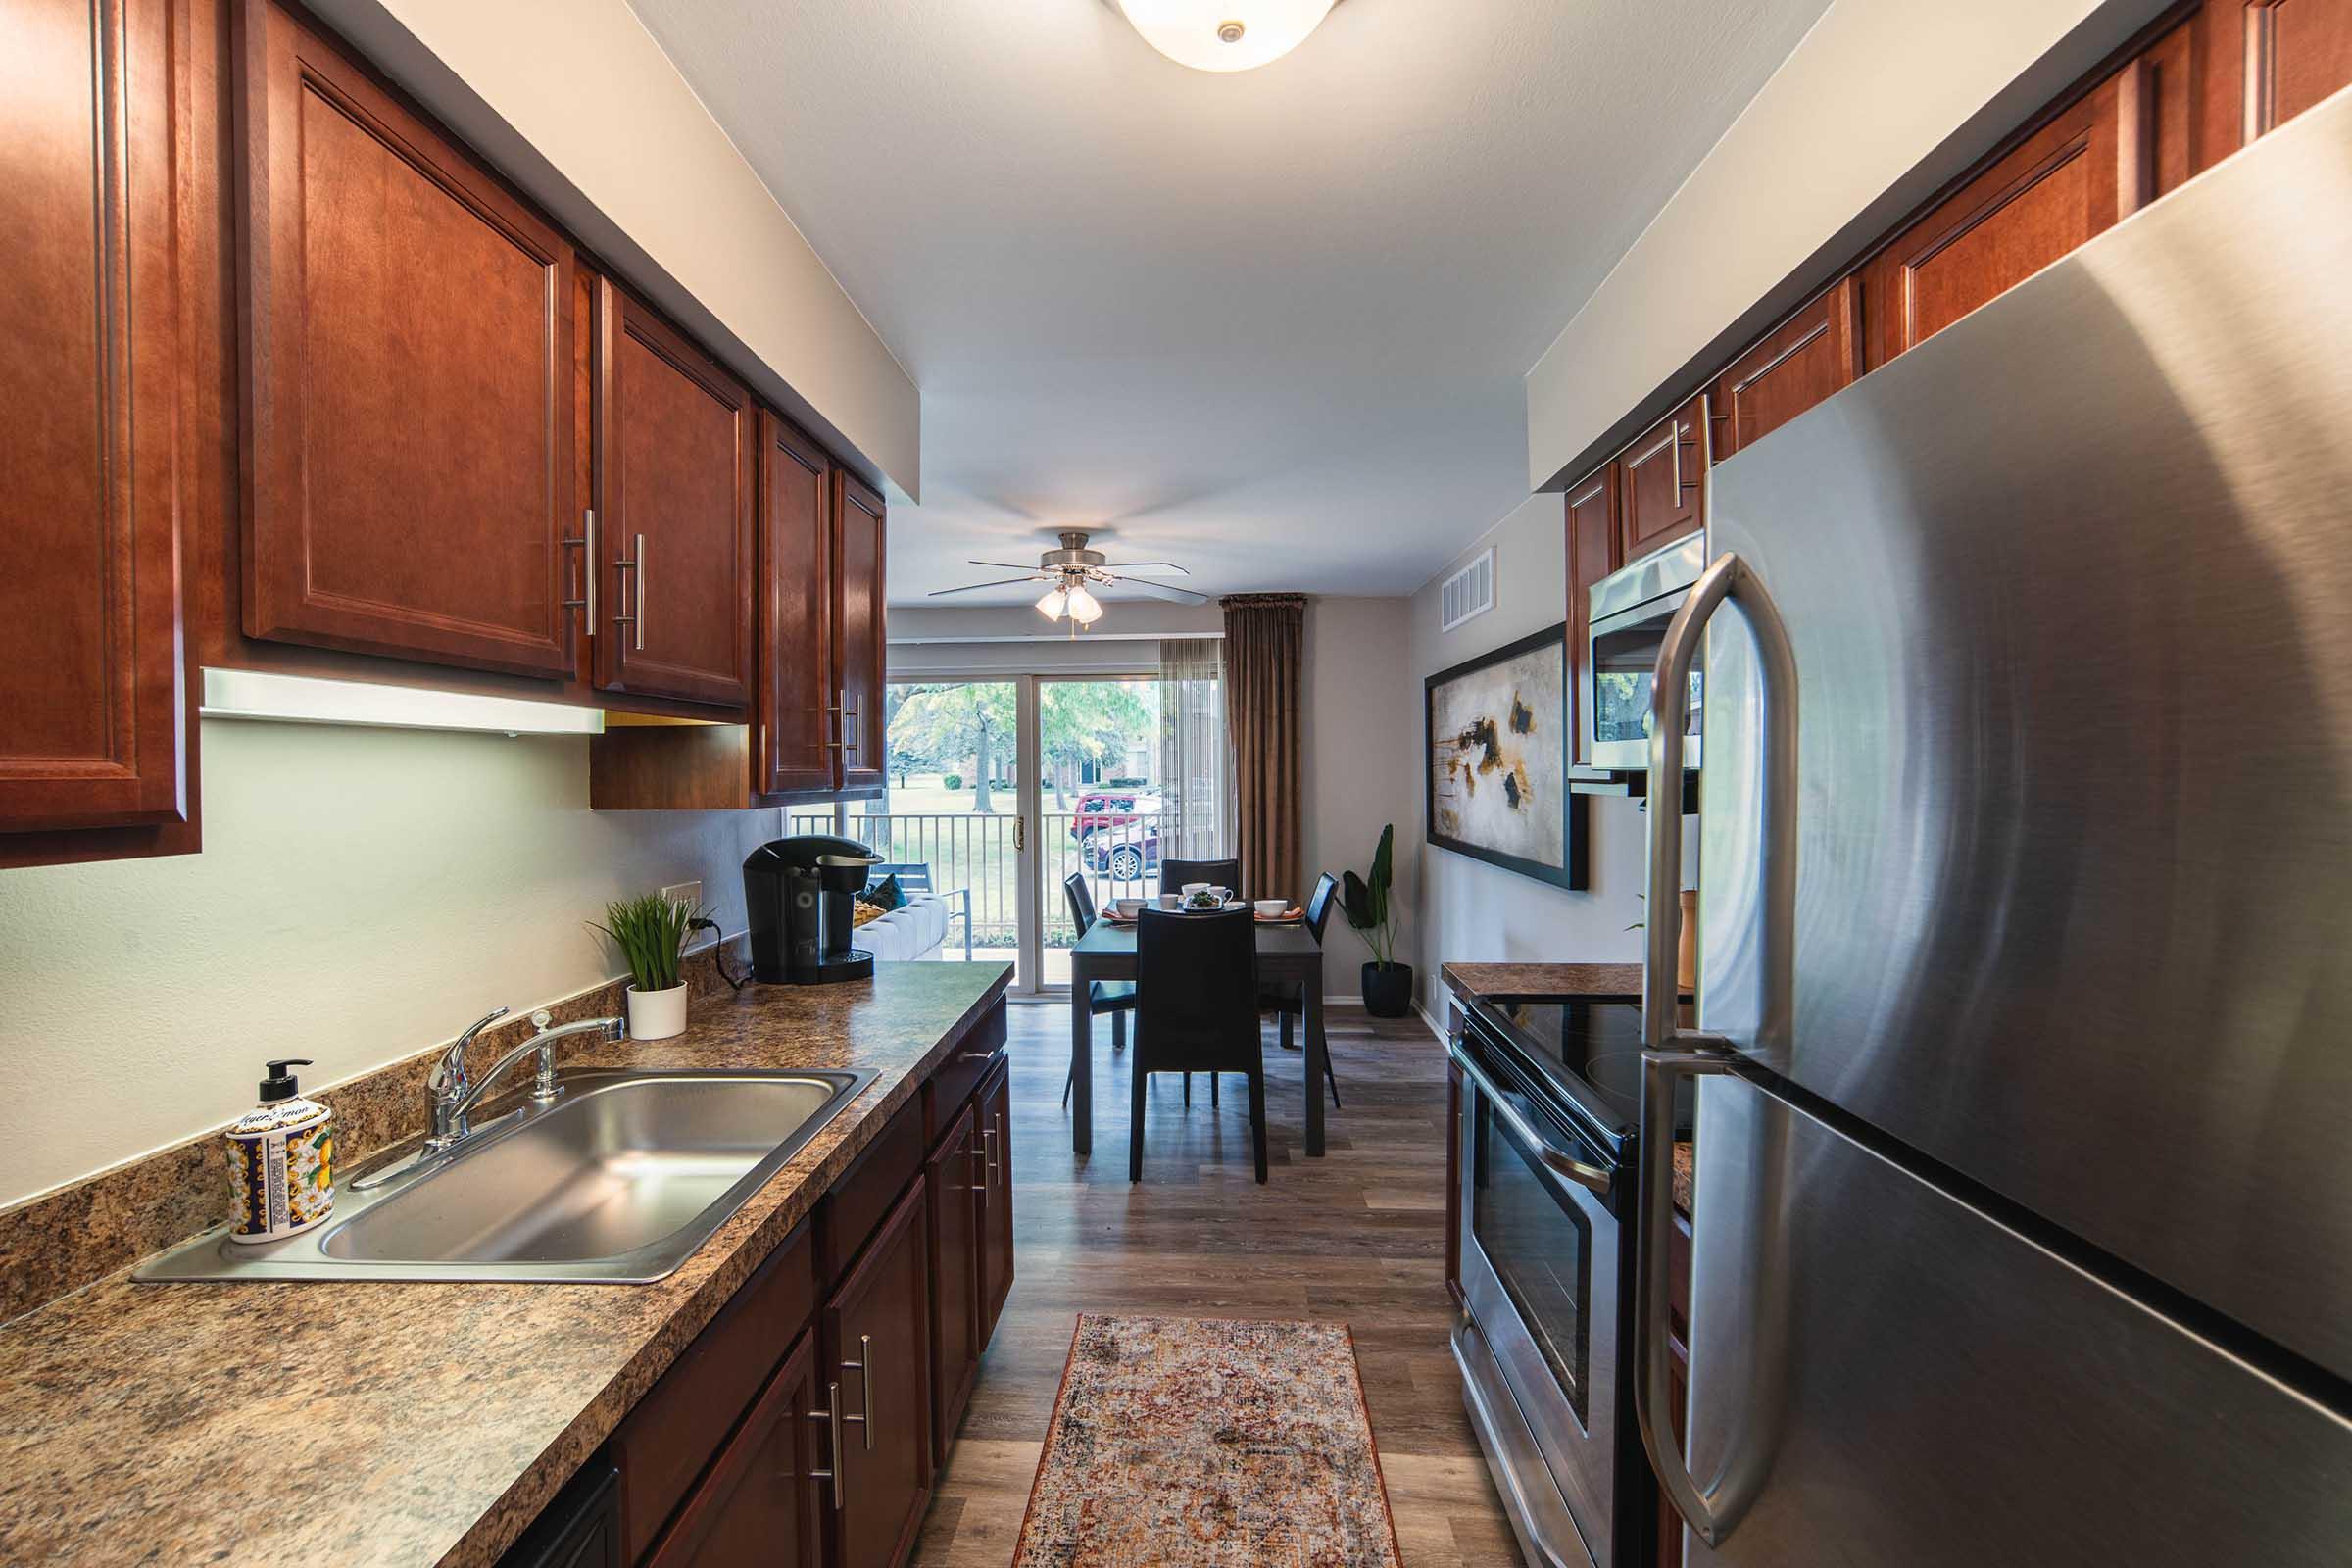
1629 609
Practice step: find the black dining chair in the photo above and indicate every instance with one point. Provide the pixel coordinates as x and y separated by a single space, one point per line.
1289 998
1196 978
1226 874
1114 997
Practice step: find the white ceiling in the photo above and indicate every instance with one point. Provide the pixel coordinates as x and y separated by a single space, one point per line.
1271 326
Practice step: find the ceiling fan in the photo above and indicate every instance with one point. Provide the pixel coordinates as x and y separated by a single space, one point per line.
1070 569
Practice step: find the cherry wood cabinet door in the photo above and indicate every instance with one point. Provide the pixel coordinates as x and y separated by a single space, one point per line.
877 1337
1813 353
90 667
677 438
858 630
2056 189
992 1116
2269 61
800 702
407 414
1661 482
762 1496
953 1176
1592 556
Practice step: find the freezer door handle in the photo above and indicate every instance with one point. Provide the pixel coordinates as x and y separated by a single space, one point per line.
1727 577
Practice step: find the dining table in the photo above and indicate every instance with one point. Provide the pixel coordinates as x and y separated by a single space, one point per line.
1286 951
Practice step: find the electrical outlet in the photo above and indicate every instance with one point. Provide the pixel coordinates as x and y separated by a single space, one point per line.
689 894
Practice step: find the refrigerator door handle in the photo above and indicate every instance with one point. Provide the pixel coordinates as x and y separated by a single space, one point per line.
1725 577
1675 1052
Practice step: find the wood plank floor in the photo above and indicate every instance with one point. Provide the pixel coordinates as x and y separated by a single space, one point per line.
1354 1236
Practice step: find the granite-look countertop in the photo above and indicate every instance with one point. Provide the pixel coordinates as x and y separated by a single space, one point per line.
387 1422
1544 979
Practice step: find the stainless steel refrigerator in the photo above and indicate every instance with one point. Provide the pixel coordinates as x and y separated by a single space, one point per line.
2024 1206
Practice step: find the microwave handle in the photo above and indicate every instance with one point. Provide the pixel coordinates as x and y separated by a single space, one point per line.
1593 1178
1671 1051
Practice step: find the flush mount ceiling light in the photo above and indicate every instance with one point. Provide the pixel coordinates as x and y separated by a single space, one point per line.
1225 34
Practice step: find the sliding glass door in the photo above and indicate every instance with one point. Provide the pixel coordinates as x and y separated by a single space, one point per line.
1001 789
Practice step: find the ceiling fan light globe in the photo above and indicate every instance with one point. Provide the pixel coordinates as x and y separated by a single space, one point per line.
1054 603
1084 607
1225 34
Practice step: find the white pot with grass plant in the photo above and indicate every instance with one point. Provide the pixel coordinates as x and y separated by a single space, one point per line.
649 931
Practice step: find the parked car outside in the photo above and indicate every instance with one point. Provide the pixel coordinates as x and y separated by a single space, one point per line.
1099 809
1127 853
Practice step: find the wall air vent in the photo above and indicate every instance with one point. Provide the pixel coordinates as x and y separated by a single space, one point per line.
1469 592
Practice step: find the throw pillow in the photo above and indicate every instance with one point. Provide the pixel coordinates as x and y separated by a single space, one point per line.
862 911
885 895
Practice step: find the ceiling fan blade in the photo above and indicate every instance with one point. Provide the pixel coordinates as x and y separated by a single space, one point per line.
1146 565
1008 566
975 587
1161 590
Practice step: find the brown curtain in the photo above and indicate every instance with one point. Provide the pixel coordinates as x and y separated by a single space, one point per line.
1264 642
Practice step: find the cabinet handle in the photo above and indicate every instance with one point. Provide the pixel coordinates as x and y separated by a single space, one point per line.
863 1366
991 1137
635 619
585 543
1682 438
830 1415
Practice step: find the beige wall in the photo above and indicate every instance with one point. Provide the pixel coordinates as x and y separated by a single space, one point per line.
577 104
1883 102
1358 692
1473 910
362 894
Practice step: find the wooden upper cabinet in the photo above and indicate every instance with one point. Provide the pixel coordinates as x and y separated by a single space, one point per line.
2052 192
1813 353
676 442
800 703
1661 483
406 377
859 639
1592 556
90 667
2272 60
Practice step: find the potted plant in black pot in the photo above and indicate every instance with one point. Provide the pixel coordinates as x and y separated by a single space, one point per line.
1388 984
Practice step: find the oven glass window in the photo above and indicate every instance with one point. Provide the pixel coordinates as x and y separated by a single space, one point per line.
1622 675
1541 1245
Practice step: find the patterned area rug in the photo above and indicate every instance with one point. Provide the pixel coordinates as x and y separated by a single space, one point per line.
1209 1444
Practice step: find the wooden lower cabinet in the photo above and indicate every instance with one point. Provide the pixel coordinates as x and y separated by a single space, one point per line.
876 1334
992 1116
953 1178
762 1498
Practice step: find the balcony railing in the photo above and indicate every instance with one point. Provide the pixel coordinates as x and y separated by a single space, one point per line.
975 851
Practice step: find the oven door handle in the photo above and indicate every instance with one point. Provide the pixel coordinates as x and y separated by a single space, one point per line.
1593 1178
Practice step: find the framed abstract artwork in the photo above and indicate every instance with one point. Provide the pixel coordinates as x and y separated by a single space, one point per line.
1497 731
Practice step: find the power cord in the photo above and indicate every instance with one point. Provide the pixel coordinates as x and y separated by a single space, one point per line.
718 951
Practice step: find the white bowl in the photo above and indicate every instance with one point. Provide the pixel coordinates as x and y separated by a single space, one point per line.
1127 907
1270 907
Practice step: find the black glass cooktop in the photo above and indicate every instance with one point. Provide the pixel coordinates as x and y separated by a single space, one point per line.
1588 1050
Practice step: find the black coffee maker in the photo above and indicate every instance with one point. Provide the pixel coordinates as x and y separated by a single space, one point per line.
800 891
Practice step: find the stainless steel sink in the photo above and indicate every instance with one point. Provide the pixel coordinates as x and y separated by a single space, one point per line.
618 1181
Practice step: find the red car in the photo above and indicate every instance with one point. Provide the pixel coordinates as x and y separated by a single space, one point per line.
1100 810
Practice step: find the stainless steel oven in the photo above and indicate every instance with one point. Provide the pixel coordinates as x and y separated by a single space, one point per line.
1545 1268
1630 611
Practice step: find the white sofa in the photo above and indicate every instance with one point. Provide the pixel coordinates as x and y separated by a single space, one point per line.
912 930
